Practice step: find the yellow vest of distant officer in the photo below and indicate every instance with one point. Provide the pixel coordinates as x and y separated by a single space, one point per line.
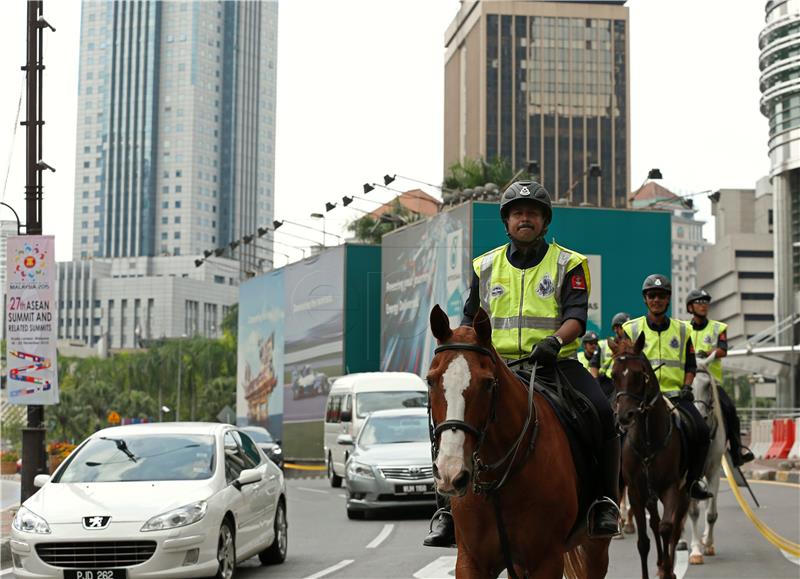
524 304
706 340
665 350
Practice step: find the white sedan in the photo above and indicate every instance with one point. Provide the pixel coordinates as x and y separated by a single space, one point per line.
154 500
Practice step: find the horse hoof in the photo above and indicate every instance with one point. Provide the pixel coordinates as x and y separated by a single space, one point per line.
696 560
710 551
681 546
629 529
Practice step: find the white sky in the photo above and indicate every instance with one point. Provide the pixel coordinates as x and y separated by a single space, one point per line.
360 94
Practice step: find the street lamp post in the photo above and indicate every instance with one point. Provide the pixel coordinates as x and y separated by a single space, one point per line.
593 170
320 216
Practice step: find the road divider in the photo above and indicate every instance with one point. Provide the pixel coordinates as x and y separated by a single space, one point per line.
313 467
774 538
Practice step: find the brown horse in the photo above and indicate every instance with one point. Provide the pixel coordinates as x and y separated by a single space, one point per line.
503 457
651 454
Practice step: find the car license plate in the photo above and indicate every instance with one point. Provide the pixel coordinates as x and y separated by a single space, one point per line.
95 574
413 489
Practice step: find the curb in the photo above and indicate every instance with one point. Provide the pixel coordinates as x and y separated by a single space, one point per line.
790 476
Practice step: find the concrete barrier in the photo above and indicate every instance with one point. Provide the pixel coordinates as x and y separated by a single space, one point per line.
795 451
761 437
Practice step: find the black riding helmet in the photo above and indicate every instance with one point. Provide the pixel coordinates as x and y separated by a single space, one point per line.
695 295
589 337
619 319
656 281
526 190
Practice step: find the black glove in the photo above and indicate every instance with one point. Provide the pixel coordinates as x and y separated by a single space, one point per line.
546 351
687 394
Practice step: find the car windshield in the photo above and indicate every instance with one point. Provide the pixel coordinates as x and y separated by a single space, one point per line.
141 458
394 429
367 402
258 435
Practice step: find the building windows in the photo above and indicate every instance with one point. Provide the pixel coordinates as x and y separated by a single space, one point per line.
756 275
759 318
754 253
758 296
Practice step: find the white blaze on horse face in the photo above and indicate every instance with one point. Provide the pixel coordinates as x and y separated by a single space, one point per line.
456 379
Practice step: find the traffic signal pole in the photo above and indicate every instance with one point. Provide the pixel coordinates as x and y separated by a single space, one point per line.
34 458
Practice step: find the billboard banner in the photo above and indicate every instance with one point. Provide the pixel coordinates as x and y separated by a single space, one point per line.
425 264
31 320
314 333
260 356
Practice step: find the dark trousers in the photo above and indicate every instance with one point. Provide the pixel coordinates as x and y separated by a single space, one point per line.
698 445
732 426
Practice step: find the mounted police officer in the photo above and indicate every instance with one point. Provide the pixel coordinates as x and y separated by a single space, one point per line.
709 336
668 347
601 362
537 297
590 349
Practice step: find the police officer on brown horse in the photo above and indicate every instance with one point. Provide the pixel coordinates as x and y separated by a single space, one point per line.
537 297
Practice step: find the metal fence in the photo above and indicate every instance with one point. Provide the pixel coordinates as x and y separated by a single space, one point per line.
747 414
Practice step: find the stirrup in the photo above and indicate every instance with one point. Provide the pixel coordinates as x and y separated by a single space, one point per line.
590 518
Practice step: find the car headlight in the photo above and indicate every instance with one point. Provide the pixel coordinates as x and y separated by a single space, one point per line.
27 521
276 451
355 468
180 517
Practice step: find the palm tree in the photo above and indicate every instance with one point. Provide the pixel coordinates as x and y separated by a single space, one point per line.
370 229
470 173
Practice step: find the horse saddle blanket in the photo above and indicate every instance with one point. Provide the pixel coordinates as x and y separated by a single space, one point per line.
685 424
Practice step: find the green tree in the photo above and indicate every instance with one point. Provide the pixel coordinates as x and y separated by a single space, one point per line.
370 230
470 173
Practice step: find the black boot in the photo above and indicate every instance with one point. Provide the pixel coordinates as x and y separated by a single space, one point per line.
442 531
602 520
697 460
699 491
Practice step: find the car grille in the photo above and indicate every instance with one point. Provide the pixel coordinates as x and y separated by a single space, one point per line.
96 553
408 472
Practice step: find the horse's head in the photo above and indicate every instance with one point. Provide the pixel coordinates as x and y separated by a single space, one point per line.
703 396
635 383
461 384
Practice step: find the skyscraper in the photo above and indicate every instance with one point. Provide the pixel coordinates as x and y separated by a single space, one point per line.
546 82
176 126
780 103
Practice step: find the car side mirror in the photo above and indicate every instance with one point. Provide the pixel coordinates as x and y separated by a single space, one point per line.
40 480
278 441
346 416
345 440
246 477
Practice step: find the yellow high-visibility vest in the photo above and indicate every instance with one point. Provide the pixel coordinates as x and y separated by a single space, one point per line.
706 340
666 350
524 304
606 359
583 359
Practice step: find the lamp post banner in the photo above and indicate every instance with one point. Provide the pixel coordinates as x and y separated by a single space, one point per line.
31 318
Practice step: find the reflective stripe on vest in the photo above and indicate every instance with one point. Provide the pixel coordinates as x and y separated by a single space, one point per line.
713 330
666 350
524 305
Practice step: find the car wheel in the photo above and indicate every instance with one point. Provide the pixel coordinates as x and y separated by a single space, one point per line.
276 552
333 478
354 515
226 552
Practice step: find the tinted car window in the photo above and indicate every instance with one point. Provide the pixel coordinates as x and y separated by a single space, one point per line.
250 450
137 458
367 402
394 429
234 458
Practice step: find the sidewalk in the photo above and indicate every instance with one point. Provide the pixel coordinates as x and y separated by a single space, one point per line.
6 516
779 469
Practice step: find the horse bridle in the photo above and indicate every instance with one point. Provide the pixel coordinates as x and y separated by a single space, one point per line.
644 405
453 425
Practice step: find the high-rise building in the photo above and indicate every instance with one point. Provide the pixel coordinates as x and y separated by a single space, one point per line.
176 126
544 82
687 237
738 272
780 103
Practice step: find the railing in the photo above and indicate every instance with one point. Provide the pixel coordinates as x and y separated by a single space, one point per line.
748 414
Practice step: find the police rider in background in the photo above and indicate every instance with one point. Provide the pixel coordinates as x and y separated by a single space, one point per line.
668 347
709 336
601 362
590 348
537 297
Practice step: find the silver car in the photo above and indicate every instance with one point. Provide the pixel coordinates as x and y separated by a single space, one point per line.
390 465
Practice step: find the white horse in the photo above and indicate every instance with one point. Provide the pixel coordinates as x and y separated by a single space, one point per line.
706 400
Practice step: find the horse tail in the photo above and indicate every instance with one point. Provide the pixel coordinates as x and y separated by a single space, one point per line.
576 564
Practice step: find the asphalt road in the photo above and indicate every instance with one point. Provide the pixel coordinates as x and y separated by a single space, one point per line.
324 543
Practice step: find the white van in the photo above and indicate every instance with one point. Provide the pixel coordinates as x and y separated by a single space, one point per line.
353 397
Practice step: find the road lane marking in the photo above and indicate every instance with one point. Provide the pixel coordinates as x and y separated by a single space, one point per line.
441 568
791 558
5 572
329 570
681 563
382 536
308 490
